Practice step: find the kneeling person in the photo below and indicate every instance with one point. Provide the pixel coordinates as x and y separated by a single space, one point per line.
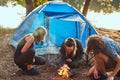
71 52
24 56
106 57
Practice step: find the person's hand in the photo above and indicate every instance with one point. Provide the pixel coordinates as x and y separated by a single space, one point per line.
110 78
33 60
96 74
91 71
69 60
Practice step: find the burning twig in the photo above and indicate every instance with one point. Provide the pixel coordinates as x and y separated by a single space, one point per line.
64 71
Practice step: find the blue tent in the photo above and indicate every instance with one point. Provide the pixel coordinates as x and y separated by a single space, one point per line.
61 21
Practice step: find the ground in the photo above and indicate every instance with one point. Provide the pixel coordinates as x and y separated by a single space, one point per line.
9 71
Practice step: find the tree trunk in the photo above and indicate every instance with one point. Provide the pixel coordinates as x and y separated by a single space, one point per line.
86 6
29 6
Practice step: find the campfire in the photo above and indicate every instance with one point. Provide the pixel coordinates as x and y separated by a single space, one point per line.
64 71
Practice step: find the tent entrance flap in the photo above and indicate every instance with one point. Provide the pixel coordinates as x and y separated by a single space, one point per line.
59 30
62 26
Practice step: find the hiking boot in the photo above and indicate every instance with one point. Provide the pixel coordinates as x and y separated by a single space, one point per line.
32 72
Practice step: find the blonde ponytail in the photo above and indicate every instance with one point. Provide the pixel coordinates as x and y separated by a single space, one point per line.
39 33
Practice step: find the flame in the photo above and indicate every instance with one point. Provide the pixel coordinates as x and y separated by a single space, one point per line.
64 71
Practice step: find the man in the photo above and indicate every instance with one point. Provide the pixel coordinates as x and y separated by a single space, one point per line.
106 57
71 52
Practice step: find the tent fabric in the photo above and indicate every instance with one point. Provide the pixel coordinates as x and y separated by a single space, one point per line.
61 21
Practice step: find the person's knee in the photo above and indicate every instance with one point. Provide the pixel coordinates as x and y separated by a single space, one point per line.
91 71
102 57
39 60
100 61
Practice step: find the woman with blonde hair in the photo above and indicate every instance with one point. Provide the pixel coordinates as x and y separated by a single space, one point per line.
106 57
24 56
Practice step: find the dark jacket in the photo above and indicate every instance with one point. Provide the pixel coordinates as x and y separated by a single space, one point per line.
78 52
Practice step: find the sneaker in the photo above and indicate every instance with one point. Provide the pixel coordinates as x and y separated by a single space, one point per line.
32 72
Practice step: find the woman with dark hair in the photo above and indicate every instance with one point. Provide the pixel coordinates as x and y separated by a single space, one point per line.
71 52
24 56
106 57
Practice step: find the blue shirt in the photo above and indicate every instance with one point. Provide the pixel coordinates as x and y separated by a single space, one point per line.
112 49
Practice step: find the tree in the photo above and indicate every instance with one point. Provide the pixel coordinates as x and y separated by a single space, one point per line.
39 2
106 6
86 6
78 4
29 6
3 2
